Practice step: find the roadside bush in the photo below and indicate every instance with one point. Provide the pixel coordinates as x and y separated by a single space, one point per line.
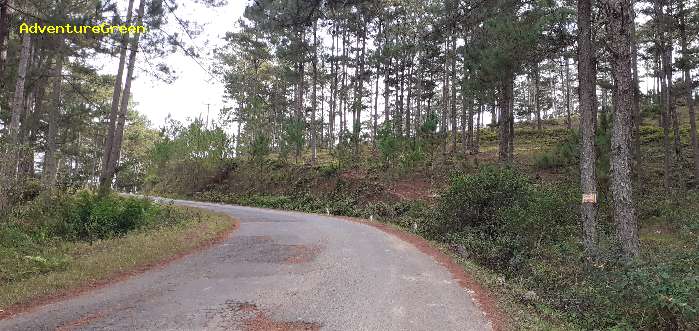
31 233
82 216
501 218
91 217
475 201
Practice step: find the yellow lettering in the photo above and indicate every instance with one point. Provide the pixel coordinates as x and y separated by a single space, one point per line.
123 29
132 29
51 29
24 28
141 29
95 29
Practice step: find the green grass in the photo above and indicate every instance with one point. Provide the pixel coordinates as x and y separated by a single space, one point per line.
80 264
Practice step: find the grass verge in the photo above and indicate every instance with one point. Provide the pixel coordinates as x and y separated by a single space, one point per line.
89 265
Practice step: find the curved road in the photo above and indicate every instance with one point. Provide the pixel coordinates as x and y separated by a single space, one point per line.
279 271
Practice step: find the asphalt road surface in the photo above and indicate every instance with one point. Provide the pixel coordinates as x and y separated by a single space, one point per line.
279 271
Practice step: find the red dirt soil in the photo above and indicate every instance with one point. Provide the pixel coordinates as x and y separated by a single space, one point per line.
415 189
115 278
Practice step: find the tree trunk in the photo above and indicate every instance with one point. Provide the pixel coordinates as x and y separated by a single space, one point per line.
359 94
452 102
387 93
4 34
619 38
688 95
104 185
477 139
445 100
375 119
418 97
50 157
505 123
333 93
588 155
25 157
567 91
321 130
115 152
636 96
537 109
666 87
466 117
408 103
399 118
9 160
343 89
314 97
672 110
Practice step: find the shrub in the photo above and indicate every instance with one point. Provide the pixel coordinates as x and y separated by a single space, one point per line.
563 154
31 232
87 216
388 143
476 200
651 133
501 217
665 293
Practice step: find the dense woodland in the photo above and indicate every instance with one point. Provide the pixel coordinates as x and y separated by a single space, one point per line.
603 91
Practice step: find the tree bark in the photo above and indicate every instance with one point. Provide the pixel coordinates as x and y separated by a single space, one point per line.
122 112
452 102
387 93
50 157
9 161
618 14
418 97
359 94
105 186
314 97
567 94
636 96
537 109
588 154
672 110
505 123
688 94
477 139
666 91
333 93
375 119
4 34
445 100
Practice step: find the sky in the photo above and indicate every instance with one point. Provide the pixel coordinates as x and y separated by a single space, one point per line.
188 96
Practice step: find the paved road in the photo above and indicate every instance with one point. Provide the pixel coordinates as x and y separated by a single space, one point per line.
279 271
